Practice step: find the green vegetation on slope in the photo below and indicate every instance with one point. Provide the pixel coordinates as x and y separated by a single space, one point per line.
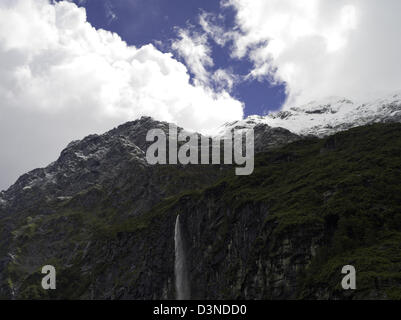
347 186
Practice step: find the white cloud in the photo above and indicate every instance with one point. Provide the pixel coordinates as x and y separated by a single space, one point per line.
224 79
211 25
193 48
322 48
62 79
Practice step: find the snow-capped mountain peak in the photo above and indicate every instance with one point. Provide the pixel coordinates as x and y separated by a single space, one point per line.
326 116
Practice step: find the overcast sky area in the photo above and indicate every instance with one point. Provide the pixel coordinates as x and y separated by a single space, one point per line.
72 68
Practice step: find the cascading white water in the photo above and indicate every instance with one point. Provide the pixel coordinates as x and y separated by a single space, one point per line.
180 270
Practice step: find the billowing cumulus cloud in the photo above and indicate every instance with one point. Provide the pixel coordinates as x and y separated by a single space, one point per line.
62 79
321 48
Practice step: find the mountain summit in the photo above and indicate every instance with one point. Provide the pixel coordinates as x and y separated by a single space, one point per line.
328 116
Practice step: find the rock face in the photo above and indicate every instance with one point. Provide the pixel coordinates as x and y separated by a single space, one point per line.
233 257
105 218
265 136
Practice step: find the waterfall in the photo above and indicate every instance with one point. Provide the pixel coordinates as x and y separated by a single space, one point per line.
180 269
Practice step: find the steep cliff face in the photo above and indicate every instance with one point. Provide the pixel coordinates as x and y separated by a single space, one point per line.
233 254
310 207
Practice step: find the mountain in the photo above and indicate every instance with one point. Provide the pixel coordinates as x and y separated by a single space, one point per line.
97 160
96 182
318 200
102 159
326 117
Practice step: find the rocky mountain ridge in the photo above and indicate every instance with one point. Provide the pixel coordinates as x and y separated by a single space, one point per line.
97 159
88 158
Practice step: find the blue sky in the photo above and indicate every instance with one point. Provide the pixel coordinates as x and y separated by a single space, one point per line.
140 22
